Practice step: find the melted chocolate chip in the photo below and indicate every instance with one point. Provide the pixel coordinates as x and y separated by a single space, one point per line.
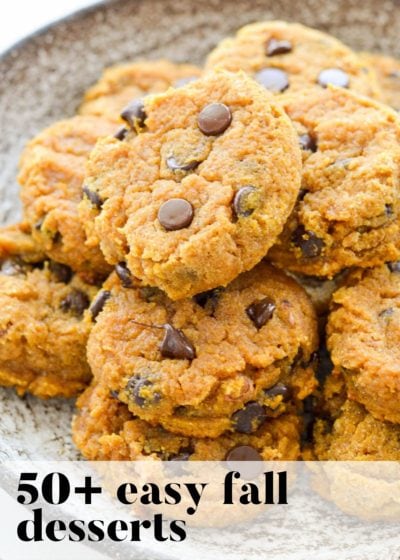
134 114
243 202
394 266
138 390
248 419
149 293
389 210
176 213
243 453
75 302
274 47
121 133
387 313
62 272
214 119
278 390
307 142
208 299
260 312
93 197
175 345
124 274
175 165
334 77
310 245
99 302
273 79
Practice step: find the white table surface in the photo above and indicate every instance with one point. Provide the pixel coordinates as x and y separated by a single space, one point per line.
19 18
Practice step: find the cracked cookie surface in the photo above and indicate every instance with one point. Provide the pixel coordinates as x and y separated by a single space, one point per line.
225 360
348 210
213 170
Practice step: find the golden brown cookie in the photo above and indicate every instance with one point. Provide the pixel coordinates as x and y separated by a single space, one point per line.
104 429
356 436
348 211
363 336
289 57
201 192
51 175
120 84
224 360
43 334
387 70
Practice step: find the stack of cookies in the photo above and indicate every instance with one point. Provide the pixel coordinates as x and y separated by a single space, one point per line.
212 256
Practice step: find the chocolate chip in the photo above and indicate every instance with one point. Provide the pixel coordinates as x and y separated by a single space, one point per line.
307 142
209 299
114 394
248 419
93 197
302 194
121 133
62 272
175 345
13 267
243 202
324 364
175 165
310 245
394 266
386 312
243 453
273 79
138 390
334 77
261 311
278 390
75 302
274 47
134 114
99 302
176 213
38 225
389 210
181 82
214 119
124 274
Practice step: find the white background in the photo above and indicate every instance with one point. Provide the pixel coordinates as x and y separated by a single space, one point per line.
18 18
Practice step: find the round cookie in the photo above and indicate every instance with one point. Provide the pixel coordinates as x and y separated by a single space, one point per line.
202 191
348 210
224 360
120 84
104 429
289 57
43 334
387 70
51 174
363 336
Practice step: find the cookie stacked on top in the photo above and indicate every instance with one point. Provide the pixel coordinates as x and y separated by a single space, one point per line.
191 229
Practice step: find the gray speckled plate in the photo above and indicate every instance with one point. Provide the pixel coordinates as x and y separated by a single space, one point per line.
43 78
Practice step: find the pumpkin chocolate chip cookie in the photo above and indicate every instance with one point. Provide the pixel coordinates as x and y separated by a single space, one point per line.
43 334
363 336
51 176
348 210
121 84
288 57
200 188
387 70
104 429
228 359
